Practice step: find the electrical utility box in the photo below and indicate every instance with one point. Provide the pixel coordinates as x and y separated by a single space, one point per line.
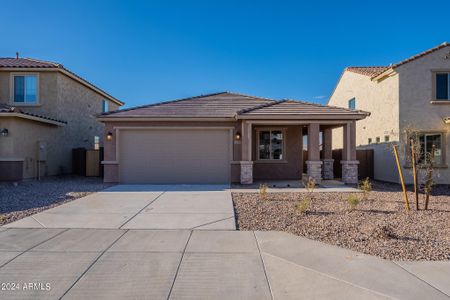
42 151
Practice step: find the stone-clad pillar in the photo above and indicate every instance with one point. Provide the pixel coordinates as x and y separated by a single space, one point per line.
246 162
314 164
327 160
349 162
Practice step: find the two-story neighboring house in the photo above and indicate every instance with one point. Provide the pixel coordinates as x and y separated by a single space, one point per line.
411 95
45 112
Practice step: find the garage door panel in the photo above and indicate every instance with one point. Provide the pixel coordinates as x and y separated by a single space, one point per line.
174 156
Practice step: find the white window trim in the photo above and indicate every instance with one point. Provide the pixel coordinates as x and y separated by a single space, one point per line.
354 101
283 150
11 89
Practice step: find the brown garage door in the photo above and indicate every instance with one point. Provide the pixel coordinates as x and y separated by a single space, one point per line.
174 156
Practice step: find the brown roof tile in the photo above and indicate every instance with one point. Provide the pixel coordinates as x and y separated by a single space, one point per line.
368 71
5 109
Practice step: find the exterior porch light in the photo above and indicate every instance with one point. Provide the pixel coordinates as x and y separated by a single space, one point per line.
4 132
109 136
237 136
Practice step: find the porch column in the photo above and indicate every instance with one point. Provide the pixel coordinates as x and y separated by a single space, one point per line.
327 154
314 165
246 162
349 162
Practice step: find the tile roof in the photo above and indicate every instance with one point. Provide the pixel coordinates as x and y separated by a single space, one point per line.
375 71
31 63
5 109
227 105
295 107
368 71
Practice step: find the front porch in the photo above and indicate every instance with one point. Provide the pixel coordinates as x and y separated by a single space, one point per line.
289 150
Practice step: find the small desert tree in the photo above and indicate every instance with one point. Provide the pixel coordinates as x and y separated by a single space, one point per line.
305 201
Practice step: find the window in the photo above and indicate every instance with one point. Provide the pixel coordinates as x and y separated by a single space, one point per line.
386 138
352 103
369 141
442 86
25 89
426 142
270 145
105 106
96 143
377 139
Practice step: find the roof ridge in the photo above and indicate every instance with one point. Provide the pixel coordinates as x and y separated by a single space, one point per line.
246 110
326 105
249 96
159 103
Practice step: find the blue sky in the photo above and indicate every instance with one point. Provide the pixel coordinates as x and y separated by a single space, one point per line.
149 51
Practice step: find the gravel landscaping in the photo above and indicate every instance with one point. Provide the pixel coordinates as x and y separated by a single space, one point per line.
30 197
379 225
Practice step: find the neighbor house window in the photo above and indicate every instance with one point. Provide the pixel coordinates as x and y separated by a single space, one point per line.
96 143
25 89
352 103
369 141
377 139
442 86
426 142
270 145
386 138
105 106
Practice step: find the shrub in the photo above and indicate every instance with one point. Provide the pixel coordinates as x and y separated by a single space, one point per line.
263 191
366 186
304 204
353 201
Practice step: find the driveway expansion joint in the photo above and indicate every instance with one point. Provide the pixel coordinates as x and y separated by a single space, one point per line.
179 265
92 264
263 265
426 282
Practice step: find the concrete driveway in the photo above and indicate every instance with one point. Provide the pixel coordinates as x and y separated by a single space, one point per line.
185 264
203 207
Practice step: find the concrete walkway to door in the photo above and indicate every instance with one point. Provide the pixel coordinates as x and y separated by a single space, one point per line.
203 207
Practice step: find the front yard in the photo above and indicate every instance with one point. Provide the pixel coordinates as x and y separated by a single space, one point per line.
30 197
379 225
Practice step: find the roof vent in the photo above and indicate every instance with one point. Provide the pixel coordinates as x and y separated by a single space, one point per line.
17 55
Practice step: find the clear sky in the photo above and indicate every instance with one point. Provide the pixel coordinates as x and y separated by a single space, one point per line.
148 51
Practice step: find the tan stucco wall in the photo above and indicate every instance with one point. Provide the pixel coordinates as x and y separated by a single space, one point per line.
62 98
416 111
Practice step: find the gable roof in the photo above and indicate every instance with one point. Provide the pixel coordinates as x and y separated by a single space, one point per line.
227 105
376 71
11 111
31 63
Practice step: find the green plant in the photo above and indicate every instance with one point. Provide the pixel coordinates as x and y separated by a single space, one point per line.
304 204
263 191
353 201
366 186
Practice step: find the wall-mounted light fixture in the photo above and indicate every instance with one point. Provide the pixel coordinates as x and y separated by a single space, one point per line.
109 136
4 132
237 136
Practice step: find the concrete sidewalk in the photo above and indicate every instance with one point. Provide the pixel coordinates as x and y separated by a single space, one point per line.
184 264
204 207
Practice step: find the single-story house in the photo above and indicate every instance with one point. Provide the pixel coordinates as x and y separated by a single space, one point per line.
226 137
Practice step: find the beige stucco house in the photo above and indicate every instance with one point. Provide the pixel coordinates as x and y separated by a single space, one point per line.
226 137
45 112
411 95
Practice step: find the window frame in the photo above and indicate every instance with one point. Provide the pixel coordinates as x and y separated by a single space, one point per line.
434 86
354 103
12 89
105 102
283 145
369 141
443 164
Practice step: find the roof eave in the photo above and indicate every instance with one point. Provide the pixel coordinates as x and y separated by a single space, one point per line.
389 72
32 118
136 118
357 116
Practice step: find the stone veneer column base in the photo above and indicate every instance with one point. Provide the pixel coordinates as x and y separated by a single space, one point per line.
350 171
246 172
314 170
328 168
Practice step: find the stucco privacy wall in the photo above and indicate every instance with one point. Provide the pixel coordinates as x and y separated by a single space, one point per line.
62 98
416 92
